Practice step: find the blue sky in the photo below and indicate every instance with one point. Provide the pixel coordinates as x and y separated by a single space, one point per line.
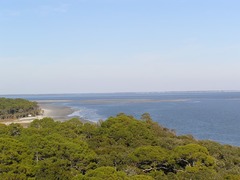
82 46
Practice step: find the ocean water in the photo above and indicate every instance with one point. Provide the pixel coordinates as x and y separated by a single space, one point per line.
205 115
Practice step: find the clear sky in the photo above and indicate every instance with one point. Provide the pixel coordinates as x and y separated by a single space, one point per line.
84 46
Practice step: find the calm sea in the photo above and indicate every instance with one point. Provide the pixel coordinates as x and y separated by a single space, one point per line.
205 115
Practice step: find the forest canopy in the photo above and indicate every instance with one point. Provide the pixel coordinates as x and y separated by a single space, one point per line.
121 147
17 108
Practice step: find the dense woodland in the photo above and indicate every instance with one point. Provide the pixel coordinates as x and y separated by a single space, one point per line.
17 108
121 147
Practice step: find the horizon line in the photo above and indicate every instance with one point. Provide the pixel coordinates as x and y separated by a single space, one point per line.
127 92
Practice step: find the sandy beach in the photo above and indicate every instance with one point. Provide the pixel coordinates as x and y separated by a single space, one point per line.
58 113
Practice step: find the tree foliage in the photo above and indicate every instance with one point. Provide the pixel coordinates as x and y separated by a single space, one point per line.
17 108
121 147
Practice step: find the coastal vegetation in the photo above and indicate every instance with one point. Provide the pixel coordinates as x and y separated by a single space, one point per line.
120 147
17 108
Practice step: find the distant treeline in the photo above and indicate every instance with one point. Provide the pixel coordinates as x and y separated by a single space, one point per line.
17 108
120 148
